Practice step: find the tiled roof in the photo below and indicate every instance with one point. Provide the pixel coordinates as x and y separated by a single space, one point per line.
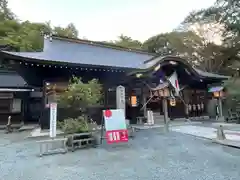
11 79
207 74
86 54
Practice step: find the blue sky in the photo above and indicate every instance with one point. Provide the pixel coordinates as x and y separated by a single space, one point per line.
107 19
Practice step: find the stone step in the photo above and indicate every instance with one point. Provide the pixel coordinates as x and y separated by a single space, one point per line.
158 117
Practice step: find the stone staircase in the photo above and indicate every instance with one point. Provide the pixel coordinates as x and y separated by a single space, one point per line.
158 118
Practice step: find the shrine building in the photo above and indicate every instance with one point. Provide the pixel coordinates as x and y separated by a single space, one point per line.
27 92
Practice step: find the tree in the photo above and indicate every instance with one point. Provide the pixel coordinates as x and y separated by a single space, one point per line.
225 13
127 42
5 12
27 36
80 96
184 44
69 31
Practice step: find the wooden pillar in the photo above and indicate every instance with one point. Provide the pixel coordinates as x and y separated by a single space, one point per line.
186 98
165 109
144 102
221 117
44 120
220 107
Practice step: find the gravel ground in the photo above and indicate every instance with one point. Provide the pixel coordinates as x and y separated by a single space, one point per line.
152 155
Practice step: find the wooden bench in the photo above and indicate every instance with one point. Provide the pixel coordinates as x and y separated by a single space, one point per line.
52 146
81 140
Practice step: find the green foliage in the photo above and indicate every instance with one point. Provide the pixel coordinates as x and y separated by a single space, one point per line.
80 95
5 12
69 31
232 85
187 45
173 43
128 42
224 13
27 36
74 125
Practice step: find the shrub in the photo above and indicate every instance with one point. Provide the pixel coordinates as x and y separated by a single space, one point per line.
79 96
74 125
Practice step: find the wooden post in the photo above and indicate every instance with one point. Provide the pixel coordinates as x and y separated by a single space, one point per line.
221 117
144 103
165 111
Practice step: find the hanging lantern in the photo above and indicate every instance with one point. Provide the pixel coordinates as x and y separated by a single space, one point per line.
166 92
172 102
160 92
218 94
133 101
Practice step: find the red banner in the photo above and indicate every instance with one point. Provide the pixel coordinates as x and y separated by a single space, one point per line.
117 136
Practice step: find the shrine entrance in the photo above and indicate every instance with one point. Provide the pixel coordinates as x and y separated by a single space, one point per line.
192 97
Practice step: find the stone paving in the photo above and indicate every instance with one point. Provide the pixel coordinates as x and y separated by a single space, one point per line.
209 131
152 155
226 126
206 132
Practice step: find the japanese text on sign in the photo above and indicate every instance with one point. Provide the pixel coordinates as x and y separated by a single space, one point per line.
53 120
116 129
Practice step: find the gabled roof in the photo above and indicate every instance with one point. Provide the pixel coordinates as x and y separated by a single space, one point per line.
211 75
65 50
151 64
11 79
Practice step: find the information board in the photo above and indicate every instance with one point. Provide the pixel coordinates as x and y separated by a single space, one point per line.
115 125
53 120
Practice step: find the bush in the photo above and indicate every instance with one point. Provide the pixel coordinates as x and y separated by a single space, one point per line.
74 125
79 96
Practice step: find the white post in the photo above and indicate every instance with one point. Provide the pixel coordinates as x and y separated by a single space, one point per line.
53 120
152 119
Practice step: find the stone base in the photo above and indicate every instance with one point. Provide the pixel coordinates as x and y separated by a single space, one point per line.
221 119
